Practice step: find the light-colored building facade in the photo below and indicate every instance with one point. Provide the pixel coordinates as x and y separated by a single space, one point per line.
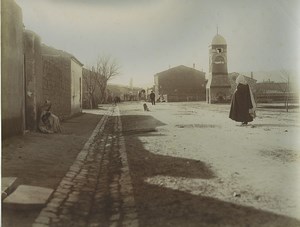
76 86
218 85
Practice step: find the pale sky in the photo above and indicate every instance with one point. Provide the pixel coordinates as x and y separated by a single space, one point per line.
147 37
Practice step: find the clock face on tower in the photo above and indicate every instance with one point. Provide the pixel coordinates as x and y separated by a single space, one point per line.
219 60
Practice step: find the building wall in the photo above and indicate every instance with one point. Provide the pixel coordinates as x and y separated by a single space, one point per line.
12 67
180 84
57 84
272 92
156 86
76 87
183 84
33 78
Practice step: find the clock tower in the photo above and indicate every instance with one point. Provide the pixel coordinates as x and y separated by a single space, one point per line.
218 85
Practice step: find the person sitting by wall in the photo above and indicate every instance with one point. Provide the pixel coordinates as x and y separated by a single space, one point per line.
48 122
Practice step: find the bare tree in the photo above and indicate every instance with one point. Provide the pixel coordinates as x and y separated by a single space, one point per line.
106 69
89 78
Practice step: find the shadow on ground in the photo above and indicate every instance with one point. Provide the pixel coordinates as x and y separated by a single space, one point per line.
159 206
43 160
282 106
275 125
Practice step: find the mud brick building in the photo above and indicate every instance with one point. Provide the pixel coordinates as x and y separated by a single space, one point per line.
62 81
49 76
275 92
180 83
32 73
12 66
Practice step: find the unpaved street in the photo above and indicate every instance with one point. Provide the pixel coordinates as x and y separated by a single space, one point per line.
191 164
180 164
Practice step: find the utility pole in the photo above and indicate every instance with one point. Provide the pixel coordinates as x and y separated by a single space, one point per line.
287 94
286 77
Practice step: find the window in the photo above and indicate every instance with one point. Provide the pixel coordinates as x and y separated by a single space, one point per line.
219 50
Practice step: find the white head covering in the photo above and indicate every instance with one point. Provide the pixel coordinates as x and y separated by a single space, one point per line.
241 80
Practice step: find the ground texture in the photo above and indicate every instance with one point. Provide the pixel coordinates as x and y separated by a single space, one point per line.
180 164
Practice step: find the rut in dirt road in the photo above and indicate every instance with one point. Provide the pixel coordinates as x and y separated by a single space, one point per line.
97 189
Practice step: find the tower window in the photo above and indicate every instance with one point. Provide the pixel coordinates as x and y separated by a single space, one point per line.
219 50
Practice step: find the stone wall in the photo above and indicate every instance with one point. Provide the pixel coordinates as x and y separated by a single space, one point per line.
12 68
57 84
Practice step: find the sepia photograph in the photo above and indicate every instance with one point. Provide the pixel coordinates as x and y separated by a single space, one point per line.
159 113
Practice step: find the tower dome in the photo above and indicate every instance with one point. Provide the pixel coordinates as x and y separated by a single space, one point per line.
218 40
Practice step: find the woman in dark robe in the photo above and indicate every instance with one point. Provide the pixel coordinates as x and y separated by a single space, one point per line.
242 103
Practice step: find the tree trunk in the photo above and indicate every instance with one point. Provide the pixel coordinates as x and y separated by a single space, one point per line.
91 103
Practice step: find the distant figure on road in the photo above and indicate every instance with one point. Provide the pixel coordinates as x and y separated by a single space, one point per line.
116 100
142 95
152 98
242 104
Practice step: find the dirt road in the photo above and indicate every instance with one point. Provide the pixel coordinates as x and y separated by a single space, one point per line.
191 164
188 165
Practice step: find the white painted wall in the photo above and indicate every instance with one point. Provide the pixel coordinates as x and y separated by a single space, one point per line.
76 87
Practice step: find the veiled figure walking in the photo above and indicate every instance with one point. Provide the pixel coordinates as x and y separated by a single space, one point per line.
242 104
